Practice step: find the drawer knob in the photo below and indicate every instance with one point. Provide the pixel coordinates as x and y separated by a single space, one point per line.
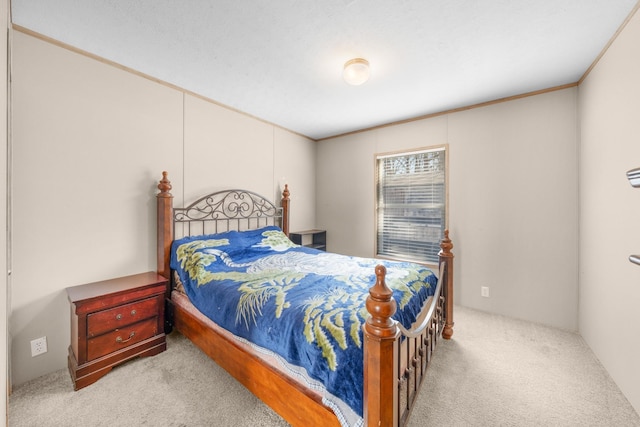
121 341
118 316
133 312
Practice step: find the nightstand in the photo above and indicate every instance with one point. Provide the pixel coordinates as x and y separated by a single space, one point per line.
310 238
113 321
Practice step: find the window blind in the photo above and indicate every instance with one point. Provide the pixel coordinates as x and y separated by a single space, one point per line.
411 205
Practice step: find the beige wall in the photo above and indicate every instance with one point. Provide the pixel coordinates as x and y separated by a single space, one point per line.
609 103
90 142
513 200
4 16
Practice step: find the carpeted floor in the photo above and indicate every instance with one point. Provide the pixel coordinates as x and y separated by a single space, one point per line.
496 371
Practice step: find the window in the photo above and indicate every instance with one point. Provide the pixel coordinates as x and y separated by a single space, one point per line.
411 204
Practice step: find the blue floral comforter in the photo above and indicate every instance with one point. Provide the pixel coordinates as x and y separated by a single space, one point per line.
306 305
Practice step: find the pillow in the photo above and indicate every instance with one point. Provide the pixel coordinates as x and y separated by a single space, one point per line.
235 246
234 242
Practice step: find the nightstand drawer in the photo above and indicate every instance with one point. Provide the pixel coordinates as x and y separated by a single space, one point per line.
108 320
121 338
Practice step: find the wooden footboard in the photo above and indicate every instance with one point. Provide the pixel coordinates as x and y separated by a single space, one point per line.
395 359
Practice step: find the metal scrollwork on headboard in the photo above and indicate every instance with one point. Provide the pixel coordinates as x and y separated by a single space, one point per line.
235 208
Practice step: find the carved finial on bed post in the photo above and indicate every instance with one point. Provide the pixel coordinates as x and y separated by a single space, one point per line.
164 186
380 344
285 209
381 306
446 256
165 225
446 245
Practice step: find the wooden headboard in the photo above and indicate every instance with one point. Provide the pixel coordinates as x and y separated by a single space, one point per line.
214 213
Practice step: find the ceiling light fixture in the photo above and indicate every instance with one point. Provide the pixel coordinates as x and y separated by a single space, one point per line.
356 71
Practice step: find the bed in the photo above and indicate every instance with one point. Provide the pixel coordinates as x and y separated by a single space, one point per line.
236 235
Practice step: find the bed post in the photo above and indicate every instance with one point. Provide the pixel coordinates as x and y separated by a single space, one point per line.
165 225
447 257
285 210
380 356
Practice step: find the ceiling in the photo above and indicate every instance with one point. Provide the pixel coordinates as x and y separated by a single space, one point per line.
281 60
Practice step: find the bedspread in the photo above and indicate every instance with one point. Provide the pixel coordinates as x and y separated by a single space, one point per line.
306 305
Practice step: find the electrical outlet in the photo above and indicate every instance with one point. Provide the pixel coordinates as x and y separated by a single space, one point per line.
484 291
38 346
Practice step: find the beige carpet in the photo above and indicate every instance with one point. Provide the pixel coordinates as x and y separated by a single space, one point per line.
495 372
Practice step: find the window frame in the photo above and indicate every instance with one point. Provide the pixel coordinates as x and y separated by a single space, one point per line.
400 153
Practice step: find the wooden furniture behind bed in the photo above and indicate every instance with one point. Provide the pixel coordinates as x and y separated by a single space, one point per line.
395 359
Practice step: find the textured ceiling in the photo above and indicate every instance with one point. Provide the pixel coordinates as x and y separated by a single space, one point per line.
281 60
